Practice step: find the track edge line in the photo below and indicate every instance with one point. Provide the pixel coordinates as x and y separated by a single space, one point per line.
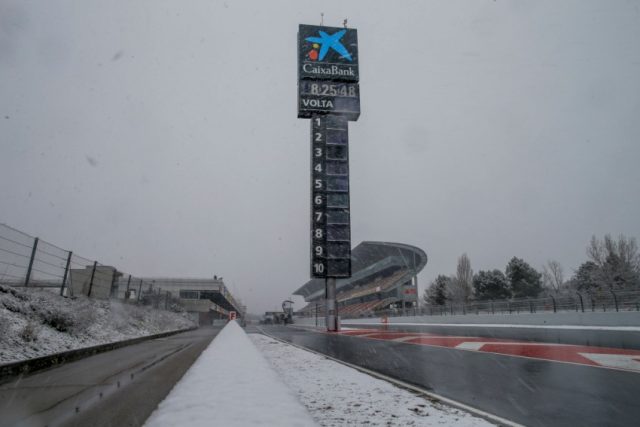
451 402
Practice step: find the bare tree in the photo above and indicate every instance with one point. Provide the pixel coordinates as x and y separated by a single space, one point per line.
618 262
552 276
461 285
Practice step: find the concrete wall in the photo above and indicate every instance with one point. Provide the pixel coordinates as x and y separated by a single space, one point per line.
102 281
627 318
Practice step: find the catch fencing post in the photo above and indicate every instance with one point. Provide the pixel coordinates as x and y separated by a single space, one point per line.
554 303
66 271
33 257
615 299
581 303
139 290
93 273
127 292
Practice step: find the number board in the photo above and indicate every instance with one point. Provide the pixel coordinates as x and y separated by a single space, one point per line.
327 97
330 208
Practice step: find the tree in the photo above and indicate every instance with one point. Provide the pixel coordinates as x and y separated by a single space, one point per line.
618 262
436 294
460 286
523 279
553 276
586 277
491 285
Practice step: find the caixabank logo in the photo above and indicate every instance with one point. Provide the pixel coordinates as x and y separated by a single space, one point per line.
327 53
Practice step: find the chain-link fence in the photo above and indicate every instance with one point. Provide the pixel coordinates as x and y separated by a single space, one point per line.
27 261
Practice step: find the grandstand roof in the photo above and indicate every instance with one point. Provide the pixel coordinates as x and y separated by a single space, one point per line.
369 259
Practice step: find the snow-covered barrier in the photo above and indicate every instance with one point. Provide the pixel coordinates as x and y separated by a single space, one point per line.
231 384
11 370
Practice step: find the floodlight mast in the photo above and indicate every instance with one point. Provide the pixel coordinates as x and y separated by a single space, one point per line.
329 95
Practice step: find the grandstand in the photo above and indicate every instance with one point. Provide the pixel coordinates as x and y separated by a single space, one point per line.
384 276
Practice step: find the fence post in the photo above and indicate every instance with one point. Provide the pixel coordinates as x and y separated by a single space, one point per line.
554 303
33 257
509 306
492 310
615 299
530 307
581 303
166 300
66 271
139 290
93 273
126 294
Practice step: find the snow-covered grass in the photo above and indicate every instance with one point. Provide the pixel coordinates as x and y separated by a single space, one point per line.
337 395
231 384
36 322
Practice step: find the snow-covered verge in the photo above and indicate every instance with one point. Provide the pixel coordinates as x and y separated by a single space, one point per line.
230 384
337 395
37 323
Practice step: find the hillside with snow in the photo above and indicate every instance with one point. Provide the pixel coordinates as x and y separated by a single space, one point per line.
36 322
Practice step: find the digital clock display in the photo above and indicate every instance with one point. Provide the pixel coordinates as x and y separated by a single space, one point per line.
323 88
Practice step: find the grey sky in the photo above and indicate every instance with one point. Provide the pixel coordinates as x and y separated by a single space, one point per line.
161 137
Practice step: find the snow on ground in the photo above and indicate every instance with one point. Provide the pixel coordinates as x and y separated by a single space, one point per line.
337 395
230 384
36 322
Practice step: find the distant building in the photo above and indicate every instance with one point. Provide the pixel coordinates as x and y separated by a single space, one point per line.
384 276
206 299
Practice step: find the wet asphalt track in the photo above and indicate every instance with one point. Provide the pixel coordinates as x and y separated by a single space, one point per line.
598 336
528 391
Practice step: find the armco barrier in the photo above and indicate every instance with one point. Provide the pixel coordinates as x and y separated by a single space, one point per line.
11 370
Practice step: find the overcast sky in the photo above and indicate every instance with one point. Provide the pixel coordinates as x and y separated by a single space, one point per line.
161 136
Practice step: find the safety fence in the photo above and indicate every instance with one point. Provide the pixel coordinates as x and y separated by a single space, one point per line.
576 301
27 261
601 300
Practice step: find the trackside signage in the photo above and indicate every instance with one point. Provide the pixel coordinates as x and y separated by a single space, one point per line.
327 53
328 72
329 95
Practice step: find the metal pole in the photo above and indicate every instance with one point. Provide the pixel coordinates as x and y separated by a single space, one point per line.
93 273
332 319
166 300
615 298
66 271
316 315
126 294
139 290
581 303
33 257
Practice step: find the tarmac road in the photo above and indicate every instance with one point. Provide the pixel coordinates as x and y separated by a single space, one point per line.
531 390
117 388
